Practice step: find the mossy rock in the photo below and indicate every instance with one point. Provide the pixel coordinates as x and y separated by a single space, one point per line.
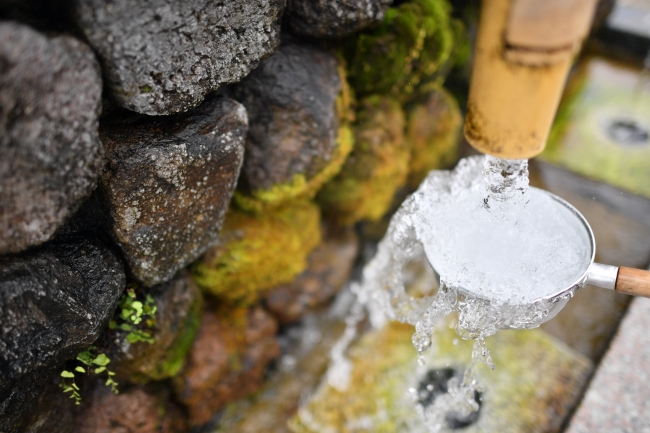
582 139
258 252
432 132
179 305
305 185
536 383
412 48
376 168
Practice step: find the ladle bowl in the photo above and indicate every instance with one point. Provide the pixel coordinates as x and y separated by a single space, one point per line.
629 281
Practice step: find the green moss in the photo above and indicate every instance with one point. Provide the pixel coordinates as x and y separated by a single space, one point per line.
408 51
257 252
300 187
375 169
432 133
175 357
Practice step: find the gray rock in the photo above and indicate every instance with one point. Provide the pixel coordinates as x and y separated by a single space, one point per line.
164 56
334 18
291 104
168 182
54 302
50 95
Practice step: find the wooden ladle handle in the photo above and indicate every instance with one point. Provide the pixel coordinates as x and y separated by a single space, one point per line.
633 282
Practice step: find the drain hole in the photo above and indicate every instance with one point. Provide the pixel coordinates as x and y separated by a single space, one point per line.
434 384
628 132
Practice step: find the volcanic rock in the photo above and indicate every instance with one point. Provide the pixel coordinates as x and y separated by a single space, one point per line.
227 361
136 409
50 97
54 302
164 56
334 18
168 182
294 142
329 268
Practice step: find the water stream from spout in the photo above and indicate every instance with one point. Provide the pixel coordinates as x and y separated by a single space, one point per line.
503 252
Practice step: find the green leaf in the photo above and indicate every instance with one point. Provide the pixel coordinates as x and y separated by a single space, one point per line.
80 369
67 374
68 389
74 385
101 359
110 373
99 370
112 324
125 327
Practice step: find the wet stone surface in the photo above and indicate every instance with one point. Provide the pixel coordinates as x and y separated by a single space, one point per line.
227 360
54 301
618 398
164 56
178 315
168 182
334 18
291 103
328 269
519 396
135 409
50 98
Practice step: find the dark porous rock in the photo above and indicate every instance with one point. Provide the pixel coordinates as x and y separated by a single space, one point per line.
51 156
294 141
34 403
135 409
329 268
334 18
178 315
227 361
54 302
168 183
164 56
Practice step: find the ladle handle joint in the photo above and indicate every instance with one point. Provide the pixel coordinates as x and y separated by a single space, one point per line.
633 282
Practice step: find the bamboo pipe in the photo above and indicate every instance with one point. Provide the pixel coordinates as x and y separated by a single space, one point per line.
524 49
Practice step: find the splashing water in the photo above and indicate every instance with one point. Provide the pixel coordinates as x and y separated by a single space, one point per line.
505 254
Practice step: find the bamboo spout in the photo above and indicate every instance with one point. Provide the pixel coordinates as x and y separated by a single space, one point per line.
524 49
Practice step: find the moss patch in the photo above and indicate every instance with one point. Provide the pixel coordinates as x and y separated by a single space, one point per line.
375 169
432 133
300 187
257 252
407 52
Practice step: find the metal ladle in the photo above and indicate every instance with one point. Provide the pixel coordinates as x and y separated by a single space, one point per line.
629 281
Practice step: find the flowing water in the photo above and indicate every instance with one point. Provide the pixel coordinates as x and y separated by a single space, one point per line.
504 252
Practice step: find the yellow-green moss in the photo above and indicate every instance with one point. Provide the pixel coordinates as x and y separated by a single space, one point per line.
257 252
432 133
375 169
300 187
407 51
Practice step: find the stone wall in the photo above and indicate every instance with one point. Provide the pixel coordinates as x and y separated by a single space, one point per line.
180 181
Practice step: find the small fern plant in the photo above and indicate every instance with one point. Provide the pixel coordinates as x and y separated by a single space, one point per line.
132 315
93 362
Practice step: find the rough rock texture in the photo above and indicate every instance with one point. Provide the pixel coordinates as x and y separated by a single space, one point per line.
179 307
328 270
256 253
54 301
34 404
164 56
412 47
168 182
296 139
50 97
432 133
618 398
133 410
227 360
333 18
375 169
